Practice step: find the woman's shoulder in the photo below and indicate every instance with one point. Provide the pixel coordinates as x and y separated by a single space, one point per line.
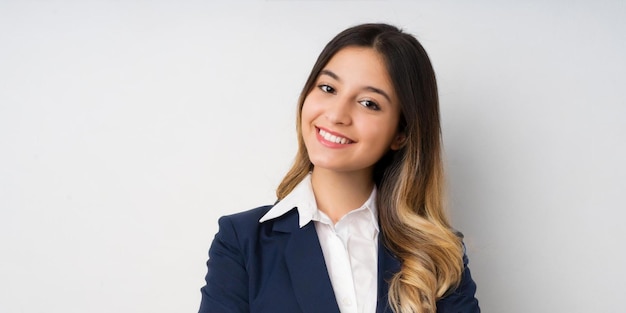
243 228
246 218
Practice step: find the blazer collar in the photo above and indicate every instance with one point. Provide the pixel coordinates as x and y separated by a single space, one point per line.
307 268
388 265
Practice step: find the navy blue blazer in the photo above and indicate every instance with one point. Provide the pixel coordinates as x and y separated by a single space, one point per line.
278 267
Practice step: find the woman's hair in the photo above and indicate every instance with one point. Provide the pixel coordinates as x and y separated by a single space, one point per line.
410 180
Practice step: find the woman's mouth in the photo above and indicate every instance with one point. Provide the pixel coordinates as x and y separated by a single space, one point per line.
333 138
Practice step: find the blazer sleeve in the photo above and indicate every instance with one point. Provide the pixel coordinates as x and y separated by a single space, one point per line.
226 288
463 298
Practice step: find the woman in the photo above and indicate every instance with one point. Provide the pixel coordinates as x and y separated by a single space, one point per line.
359 224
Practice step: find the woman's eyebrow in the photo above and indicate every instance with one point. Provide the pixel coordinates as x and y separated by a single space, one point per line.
378 91
369 88
331 74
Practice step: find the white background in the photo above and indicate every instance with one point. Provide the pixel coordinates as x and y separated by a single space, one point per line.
128 127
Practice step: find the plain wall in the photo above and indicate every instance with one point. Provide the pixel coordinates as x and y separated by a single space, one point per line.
128 127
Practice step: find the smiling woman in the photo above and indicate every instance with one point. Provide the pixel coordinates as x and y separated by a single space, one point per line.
359 224
349 121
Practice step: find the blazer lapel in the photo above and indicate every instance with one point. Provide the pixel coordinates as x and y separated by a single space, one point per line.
306 266
388 265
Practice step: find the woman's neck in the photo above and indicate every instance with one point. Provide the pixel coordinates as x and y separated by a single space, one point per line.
338 193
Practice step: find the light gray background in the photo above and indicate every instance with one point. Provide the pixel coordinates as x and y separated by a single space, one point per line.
128 127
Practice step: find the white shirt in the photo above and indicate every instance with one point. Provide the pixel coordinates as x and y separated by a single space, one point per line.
350 246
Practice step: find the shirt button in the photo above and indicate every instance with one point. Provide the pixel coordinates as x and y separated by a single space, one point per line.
347 301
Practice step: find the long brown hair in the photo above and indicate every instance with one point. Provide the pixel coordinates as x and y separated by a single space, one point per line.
410 180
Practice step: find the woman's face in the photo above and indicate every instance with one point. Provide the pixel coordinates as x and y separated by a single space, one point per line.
350 117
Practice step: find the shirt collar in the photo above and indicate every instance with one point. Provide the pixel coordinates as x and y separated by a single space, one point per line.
302 198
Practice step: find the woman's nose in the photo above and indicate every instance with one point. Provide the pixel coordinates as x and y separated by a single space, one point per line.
339 111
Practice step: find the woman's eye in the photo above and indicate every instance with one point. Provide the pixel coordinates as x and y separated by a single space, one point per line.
326 88
370 104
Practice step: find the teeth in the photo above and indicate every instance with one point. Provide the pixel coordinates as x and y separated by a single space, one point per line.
332 138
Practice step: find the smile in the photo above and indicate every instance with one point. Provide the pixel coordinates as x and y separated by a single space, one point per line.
333 138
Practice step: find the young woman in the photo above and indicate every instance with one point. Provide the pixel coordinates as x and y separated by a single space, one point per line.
359 225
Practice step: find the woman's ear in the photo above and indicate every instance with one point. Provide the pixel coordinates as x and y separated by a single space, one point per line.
398 141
